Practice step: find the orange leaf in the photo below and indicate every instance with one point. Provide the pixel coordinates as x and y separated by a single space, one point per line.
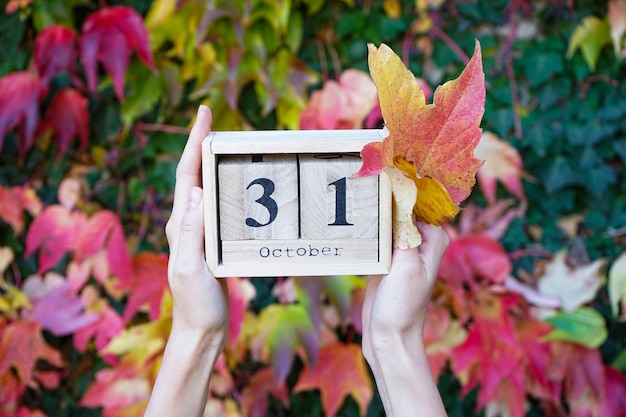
340 370
21 345
254 395
428 140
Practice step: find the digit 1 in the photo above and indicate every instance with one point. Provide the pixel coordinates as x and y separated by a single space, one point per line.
340 203
265 200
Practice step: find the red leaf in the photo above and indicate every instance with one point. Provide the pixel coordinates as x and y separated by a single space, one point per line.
10 392
21 345
254 395
108 326
13 202
54 232
55 52
240 292
340 371
104 231
68 118
149 280
19 107
108 37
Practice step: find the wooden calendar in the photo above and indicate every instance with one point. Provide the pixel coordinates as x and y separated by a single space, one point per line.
284 203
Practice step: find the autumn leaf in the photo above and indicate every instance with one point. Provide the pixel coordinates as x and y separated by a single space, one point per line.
55 52
254 395
20 93
590 36
617 285
120 391
340 371
21 346
432 143
108 37
616 15
574 286
68 118
14 201
53 233
148 282
108 325
55 307
281 329
442 334
584 326
240 293
405 234
502 163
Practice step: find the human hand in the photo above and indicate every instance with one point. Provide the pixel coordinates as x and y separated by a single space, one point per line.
395 305
200 300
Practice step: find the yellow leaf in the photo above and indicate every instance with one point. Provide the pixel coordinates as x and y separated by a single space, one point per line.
392 8
405 234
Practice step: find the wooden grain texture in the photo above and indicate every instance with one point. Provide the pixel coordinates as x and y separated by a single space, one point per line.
333 205
258 197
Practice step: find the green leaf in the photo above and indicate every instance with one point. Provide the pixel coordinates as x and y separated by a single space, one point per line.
584 326
50 12
590 36
558 175
144 90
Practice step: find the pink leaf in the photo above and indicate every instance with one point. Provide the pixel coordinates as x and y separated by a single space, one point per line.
55 51
149 281
68 118
19 107
108 37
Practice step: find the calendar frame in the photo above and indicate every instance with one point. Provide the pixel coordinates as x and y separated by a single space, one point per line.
288 142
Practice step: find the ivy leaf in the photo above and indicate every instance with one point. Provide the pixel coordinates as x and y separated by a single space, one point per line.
19 107
21 346
573 286
108 37
254 395
502 163
432 143
14 201
68 117
280 330
55 52
617 284
57 308
147 284
590 36
346 361
54 232
584 326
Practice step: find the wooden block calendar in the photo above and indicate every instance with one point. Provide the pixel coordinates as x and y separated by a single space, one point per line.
284 203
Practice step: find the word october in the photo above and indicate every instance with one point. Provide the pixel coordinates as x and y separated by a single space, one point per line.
266 252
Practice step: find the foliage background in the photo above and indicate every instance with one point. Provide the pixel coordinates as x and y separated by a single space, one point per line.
556 94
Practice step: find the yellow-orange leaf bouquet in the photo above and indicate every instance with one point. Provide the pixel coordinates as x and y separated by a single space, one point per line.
428 154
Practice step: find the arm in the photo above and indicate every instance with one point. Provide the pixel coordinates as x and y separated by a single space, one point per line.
393 321
200 314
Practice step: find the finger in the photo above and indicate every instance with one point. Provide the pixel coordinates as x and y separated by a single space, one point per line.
434 244
188 170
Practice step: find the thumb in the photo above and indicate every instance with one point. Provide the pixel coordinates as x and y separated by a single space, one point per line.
191 237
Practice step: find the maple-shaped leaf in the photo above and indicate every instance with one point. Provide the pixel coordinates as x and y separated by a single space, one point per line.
55 52
68 118
254 395
590 36
492 335
21 346
240 293
432 143
20 93
120 391
281 329
341 104
617 285
441 335
148 282
108 325
574 286
54 232
109 36
340 371
104 231
56 308
14 201
502 163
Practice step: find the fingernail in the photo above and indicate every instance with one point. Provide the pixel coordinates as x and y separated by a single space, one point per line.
194 197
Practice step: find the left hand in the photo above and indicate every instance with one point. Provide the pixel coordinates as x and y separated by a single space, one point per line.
200 300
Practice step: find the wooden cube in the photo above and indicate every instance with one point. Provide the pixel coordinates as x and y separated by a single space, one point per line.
332 204
282 203
258 197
